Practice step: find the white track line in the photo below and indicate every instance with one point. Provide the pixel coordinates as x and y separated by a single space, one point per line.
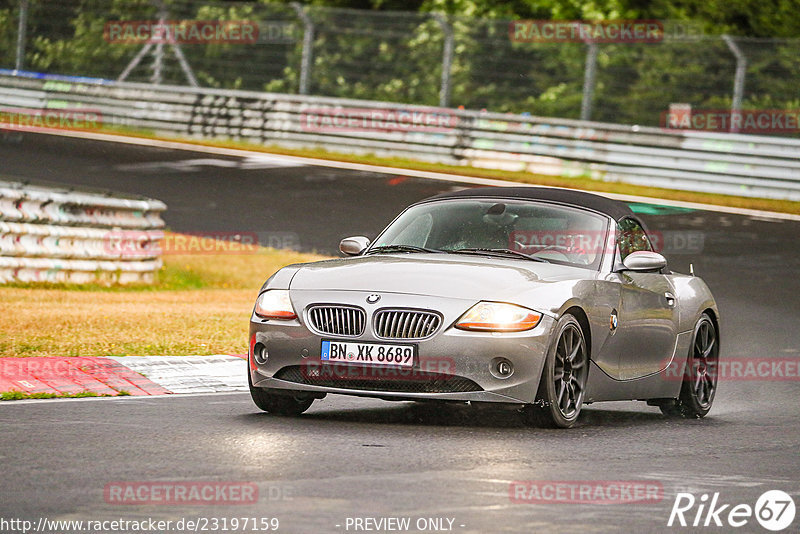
472 180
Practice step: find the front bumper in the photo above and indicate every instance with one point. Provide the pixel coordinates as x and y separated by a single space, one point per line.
453 364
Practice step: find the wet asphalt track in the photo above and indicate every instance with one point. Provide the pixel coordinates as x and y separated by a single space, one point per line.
358 457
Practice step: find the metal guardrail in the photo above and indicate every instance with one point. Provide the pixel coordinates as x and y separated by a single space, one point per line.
50 234
736 164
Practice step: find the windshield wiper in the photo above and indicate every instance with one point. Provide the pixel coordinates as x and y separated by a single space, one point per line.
400 248
497 252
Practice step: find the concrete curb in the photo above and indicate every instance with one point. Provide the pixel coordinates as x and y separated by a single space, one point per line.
134 375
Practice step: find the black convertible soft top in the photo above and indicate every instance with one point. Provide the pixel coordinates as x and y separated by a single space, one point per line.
613 208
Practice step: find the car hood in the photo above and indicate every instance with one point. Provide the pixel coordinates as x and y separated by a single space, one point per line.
440 275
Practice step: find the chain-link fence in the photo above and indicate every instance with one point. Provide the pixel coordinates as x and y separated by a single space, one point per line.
417 58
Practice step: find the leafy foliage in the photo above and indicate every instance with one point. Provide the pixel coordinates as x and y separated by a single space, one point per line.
369 49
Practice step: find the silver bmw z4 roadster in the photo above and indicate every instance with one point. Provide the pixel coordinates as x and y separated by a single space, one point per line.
538 299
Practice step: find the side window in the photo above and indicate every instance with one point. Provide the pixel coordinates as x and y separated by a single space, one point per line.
631 238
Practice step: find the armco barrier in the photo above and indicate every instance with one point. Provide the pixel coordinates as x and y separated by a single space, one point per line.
746 165
49 234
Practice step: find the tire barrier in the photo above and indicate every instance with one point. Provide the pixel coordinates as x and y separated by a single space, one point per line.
48 234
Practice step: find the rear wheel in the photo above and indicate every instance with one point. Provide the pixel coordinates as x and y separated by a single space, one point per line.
699 376
276 401
563 383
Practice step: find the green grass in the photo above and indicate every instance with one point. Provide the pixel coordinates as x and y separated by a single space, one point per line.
19 395
201 305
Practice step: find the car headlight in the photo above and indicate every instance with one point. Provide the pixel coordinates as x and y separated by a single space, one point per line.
498 317
275 304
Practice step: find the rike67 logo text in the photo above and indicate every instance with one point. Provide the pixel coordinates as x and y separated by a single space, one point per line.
774 510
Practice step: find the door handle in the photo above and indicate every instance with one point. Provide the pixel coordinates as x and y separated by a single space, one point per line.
670 299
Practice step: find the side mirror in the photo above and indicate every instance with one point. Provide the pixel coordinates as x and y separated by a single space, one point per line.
353 246
644 260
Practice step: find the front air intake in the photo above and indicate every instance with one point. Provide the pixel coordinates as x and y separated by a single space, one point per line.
345 321
406 324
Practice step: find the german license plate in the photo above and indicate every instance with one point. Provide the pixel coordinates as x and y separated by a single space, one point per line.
367 353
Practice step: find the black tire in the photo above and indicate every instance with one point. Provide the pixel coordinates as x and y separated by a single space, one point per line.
277 402
563 383
699 383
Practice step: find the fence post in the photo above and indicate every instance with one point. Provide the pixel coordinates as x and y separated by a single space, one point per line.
158 63
308 43
589 76
738 80
447 58
21 30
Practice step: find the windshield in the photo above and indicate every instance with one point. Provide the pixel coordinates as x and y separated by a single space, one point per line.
539 230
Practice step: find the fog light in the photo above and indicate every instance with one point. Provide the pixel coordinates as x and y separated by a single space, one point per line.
502 368
260 353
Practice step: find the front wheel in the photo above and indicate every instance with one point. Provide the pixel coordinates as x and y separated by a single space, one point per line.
563 383
699 376
277 403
